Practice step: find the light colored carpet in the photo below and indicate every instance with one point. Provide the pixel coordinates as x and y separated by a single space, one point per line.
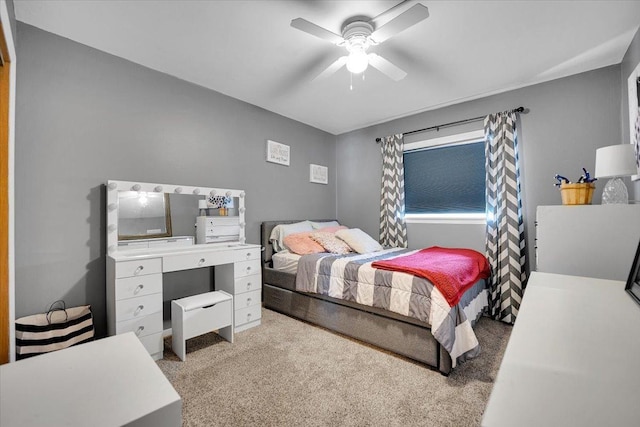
290 373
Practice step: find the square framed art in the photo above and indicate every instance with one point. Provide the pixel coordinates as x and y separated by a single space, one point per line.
278 153
318 174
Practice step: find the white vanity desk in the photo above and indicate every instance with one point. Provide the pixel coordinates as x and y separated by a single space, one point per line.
134 277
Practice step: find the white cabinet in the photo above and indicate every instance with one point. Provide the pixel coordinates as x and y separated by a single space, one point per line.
243 280
134 301
592 241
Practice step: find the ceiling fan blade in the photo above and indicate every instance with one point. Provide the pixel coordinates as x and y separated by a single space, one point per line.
385 17
316 30
331 69
401 22
386 67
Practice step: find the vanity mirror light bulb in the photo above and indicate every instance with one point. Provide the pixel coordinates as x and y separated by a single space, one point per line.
158 189
196 191
136 187
242 210
242 224
228 193
112 228
178 190
242 194
212 192
112 186
112 248
112 206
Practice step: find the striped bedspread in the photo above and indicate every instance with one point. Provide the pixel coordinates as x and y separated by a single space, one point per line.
351 277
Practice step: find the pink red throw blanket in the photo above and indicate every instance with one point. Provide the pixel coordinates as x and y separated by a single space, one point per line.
451 270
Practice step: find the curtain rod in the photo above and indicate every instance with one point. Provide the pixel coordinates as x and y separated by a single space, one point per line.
459 122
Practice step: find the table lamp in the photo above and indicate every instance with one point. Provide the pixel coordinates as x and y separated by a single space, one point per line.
614 162
202 205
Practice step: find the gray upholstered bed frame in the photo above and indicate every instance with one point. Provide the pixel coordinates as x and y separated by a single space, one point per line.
390 331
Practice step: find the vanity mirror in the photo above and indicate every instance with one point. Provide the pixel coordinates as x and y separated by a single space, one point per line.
143 215
139 215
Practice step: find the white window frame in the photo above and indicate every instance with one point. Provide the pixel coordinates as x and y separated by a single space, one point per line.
451 218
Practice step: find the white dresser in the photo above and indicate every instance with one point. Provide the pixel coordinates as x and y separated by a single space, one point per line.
592 241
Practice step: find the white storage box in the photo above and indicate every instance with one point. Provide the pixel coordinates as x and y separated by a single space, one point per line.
212 229
199 314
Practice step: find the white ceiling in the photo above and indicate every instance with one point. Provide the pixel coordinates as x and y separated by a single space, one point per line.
247 49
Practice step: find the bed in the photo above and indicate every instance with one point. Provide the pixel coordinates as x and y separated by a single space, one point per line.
401 334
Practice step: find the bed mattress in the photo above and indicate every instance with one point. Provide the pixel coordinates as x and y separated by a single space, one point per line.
286 261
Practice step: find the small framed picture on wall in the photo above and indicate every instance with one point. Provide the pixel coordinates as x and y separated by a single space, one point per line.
278 153
318 174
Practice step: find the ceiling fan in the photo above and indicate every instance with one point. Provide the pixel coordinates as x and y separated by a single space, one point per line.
358 35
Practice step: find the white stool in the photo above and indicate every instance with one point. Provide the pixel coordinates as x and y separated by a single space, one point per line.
199 314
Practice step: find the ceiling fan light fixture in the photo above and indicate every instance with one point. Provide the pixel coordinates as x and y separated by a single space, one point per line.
358 35
357 62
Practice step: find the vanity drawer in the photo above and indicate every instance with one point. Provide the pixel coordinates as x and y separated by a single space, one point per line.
246 315
197 260
247 254
138 307
153 343
143 326
246 268
138 268
130 287
247 299
247 284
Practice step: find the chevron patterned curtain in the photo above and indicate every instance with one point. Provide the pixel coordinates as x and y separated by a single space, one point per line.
505 244
393 230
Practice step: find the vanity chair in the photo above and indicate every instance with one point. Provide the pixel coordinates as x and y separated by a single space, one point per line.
137 258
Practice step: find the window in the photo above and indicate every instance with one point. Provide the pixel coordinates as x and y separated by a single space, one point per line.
444 179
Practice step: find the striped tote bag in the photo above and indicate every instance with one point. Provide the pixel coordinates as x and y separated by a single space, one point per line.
58 328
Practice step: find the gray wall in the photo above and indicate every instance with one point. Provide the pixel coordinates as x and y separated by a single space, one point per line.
629 63
568 119
84 117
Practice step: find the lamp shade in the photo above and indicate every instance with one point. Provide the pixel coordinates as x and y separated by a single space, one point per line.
615 160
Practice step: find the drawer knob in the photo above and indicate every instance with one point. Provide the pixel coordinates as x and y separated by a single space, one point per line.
138 310
201 261
138 270
138 289
139 330
249 301
248 285
248 254
248 269
248 316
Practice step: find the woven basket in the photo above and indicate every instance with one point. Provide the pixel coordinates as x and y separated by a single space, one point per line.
577 194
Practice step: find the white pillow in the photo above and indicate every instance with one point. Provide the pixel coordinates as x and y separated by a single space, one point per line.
281 231
318 225
359 241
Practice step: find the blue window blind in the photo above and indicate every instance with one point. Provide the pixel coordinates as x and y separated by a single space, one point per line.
449 179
